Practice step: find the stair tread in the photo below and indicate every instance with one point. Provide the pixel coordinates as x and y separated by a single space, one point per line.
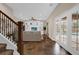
7 52
2 45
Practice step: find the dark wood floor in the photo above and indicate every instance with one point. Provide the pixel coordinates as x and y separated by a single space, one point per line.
44 47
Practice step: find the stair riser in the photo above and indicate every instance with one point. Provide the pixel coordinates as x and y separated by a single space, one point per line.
7 52
2 49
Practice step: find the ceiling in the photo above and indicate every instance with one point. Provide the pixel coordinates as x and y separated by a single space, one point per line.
24 11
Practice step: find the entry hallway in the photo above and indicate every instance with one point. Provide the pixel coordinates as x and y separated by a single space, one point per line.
44 47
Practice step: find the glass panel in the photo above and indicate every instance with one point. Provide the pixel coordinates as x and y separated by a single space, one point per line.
63 31
58 30
75 33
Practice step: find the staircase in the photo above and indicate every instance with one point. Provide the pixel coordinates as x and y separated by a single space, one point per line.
8 27
4 51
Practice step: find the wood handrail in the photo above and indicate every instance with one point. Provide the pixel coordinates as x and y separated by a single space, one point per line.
8 17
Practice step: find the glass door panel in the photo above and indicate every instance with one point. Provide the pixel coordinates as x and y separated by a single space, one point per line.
75 32
58 31
63 31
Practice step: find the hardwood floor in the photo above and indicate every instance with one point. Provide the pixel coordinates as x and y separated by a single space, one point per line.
44 47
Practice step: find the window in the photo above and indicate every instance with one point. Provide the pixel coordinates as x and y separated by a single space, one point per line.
34 28
75 31
63 30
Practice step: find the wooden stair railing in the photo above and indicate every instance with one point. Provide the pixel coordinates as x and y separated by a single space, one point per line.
8 27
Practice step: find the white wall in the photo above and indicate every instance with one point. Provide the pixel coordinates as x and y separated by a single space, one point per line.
7 10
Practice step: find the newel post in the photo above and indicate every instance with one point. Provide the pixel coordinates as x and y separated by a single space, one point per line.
20 37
